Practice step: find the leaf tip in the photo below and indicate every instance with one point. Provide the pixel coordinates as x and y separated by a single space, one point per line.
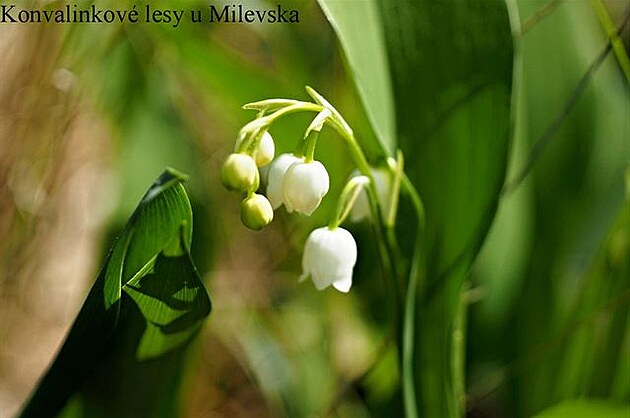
310 90
171 173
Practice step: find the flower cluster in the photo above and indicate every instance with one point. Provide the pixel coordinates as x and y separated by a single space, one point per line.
299 182
292 181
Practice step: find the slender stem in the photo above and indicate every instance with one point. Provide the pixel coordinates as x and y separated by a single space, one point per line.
357 153
311 141
406 331
298 107
611 32
399 168
349 195
300 148
254 126
549 133
414 290
416 201
384 241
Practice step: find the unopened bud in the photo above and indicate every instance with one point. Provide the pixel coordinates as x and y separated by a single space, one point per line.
256 212
239 173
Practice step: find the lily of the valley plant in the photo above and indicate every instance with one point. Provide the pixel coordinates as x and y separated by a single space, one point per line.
299 182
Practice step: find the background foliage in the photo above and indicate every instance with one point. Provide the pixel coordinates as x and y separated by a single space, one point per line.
523 309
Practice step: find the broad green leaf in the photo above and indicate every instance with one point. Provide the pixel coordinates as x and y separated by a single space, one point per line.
577 192
451 66
123 354
584 408
359 29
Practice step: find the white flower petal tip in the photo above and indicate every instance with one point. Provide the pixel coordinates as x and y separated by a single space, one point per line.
275 178
305 185
343 285
329 258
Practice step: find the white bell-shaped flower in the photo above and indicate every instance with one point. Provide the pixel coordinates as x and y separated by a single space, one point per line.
275 178
329 258
305 185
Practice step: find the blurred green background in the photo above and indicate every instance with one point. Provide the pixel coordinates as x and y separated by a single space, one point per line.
91 114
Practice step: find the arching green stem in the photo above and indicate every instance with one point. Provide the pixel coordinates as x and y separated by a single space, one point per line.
348 197
414 290
311 142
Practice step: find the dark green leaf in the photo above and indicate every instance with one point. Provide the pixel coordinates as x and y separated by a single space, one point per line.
123 354
576 194
451 65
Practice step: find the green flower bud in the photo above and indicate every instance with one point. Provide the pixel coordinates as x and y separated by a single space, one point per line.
239 173
256 212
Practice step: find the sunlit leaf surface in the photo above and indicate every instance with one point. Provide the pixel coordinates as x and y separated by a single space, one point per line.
128 340
358 27
585 409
